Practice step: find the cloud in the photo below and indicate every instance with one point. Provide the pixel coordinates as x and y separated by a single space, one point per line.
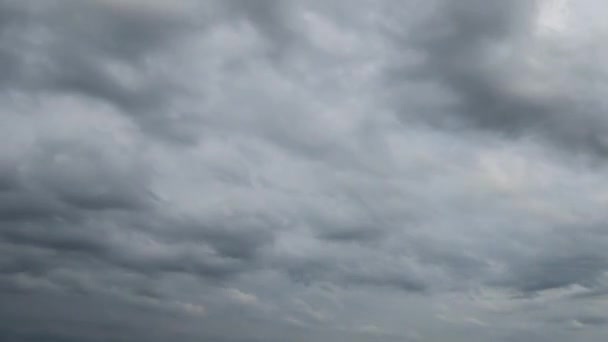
497 72
242 297
319 170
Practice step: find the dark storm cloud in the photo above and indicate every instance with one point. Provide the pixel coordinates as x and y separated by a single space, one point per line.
498 75
557 272
319 170
455 43
555 262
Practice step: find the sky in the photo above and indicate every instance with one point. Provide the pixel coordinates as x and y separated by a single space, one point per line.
314 170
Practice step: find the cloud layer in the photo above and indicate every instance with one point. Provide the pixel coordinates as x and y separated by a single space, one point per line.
303 170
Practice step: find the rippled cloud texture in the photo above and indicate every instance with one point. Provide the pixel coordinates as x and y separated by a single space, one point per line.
323 170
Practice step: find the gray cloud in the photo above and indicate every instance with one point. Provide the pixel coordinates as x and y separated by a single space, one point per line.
319 170
498 70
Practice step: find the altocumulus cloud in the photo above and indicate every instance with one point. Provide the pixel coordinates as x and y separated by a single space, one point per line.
263 170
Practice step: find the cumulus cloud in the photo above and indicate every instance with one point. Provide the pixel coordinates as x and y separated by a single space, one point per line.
302 170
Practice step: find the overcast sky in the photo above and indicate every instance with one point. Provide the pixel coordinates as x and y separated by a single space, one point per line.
319 170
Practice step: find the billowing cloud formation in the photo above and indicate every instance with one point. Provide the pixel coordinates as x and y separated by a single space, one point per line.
303 170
